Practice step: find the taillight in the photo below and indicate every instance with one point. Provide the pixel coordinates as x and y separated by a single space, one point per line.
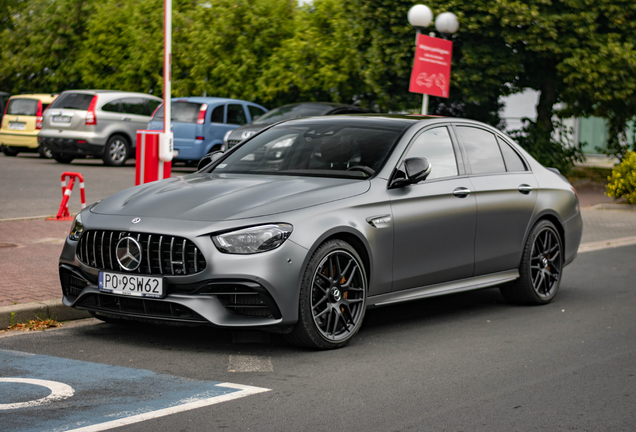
200 138
91 119
6 107
202 111
38 116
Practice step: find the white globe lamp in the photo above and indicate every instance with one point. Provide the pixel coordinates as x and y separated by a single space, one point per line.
420 16
446 23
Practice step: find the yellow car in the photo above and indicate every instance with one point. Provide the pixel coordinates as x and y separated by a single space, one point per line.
22 122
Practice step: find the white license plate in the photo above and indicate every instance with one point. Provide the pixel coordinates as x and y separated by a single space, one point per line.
132 285
17 126
61 119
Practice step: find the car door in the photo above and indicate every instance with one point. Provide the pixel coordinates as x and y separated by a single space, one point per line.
434 220
506 193
135 115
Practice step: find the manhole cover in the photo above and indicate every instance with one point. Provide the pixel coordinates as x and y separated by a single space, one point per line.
7 245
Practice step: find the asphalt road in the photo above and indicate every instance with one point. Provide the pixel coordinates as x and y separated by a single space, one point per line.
31 186
461 362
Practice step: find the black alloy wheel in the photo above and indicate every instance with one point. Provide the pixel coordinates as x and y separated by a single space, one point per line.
541 266
332 298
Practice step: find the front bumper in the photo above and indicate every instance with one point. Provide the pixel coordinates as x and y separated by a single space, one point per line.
236 291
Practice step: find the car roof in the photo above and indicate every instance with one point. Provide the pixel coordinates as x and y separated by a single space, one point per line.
88 91
4 93
209 100
44 97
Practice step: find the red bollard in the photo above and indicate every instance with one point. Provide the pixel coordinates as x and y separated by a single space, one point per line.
63 213
148 167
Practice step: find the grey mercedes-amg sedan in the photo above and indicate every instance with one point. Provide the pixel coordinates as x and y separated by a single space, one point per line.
305 225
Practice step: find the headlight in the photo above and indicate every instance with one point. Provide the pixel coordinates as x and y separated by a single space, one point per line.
253 240
77 229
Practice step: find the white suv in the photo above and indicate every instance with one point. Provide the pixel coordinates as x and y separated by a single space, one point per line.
101 123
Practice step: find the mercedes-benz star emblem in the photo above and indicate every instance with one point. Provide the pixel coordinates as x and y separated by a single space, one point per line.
136 220
129 253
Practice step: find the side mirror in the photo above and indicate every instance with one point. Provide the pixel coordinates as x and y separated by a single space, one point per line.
416 170
209 158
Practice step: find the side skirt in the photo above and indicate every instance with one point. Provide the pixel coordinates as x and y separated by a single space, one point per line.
443 288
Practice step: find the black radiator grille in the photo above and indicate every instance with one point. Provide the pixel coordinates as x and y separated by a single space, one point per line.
161 254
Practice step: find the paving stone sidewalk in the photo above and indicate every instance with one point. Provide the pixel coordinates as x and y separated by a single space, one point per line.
29 249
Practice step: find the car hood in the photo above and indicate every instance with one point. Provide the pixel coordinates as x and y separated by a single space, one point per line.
219 197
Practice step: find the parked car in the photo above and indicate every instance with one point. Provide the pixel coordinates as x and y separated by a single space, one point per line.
302 227
4 97
22 122
288 112
100 123
199 123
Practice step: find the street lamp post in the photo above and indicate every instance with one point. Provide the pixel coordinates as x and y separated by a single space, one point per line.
420 16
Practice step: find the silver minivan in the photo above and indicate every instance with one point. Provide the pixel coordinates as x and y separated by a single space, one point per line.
100 123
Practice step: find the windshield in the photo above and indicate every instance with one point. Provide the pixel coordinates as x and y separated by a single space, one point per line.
290 112
324 149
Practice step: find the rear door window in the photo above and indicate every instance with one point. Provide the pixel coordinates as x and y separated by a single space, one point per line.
217 114
135 106
511 158
482 150
114 106
74 101
26 107
236 114
436 146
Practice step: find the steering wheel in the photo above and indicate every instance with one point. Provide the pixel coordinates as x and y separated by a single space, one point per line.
363 168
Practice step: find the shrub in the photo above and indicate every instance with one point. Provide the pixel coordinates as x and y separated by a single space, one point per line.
622 182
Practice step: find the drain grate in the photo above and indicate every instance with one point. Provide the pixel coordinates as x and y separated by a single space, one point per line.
7 245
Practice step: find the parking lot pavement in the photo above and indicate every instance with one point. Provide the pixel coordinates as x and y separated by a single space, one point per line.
73 395
29 251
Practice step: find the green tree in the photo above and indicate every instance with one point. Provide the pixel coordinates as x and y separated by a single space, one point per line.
123 48
228 44
39 48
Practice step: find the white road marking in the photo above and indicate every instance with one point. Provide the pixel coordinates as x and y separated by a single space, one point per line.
59 391
607 244
244 391
243 363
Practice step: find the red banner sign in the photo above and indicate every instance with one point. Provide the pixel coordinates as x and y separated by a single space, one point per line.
432 66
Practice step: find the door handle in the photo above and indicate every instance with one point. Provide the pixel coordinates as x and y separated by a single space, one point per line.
525 189
127 118
461 192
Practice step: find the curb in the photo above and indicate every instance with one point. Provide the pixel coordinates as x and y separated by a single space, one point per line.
53 309
623 207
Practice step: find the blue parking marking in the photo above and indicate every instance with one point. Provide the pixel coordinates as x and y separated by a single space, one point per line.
39 392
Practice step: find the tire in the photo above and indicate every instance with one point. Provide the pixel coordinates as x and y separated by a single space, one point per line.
333 298
540 269
8 151
45 152
63 158
117 151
